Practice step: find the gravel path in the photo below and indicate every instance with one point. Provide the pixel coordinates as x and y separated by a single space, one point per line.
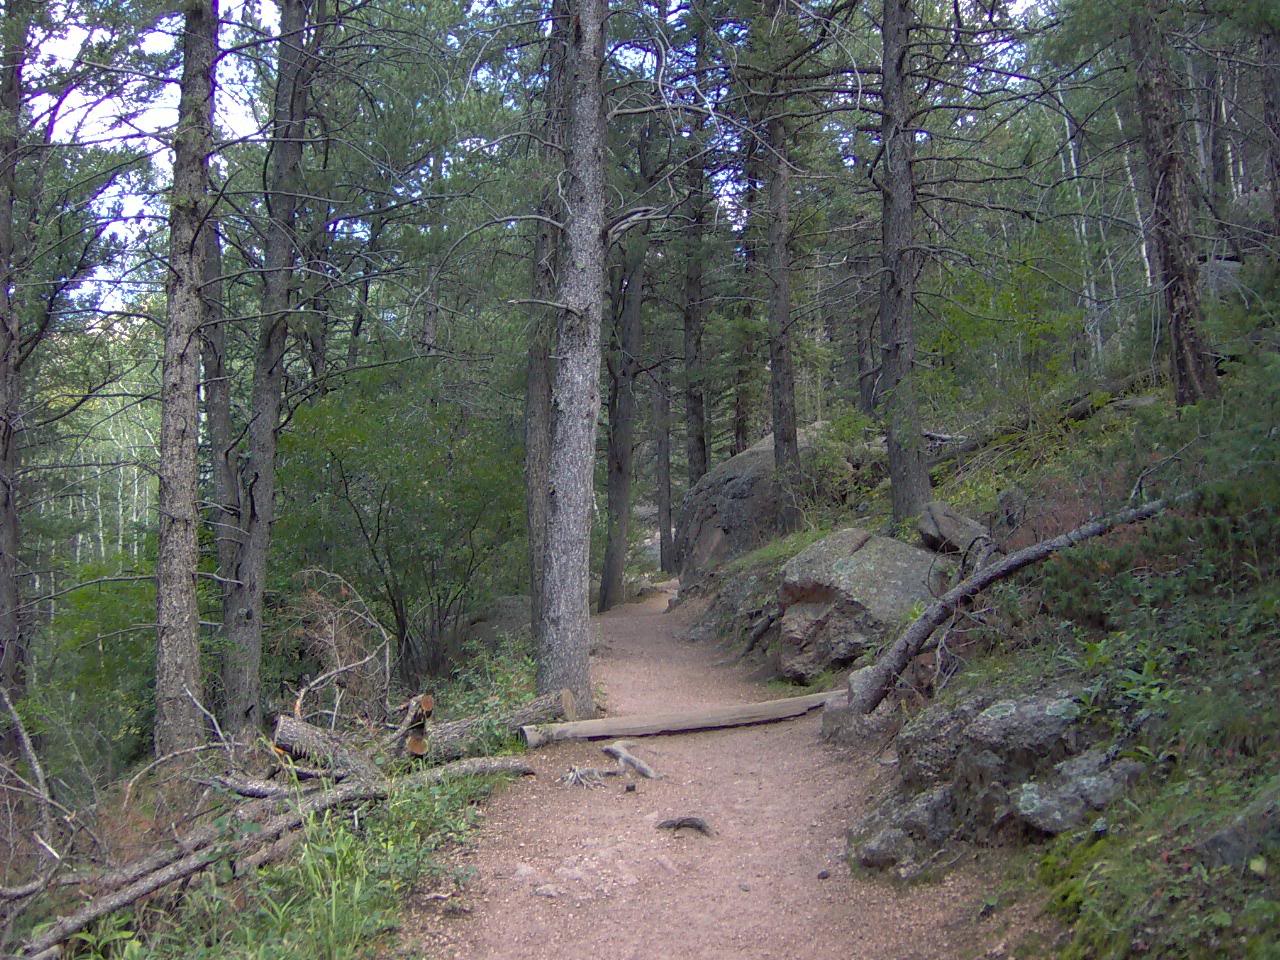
567 873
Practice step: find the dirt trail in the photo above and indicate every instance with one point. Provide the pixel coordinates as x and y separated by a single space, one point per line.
570 873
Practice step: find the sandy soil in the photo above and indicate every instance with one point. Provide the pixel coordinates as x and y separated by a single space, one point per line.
571 873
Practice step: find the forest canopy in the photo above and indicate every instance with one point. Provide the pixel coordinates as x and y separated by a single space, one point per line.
435 303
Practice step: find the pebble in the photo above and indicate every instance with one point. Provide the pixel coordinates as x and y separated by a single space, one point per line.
570 875
824 874
524 873
548 890
744 887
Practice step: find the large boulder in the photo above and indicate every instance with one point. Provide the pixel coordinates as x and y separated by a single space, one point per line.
1000 771
738 604
932 740
946 530
1076 789
847 594
733 509
1007 744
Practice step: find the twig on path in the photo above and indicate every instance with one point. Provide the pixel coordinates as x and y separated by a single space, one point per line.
618 750
589 776
689 823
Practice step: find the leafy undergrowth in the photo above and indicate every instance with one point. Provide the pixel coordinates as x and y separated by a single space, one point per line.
337 893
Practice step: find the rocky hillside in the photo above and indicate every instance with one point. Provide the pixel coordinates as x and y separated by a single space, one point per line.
1112 711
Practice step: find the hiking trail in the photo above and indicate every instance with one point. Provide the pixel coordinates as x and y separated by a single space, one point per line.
574 873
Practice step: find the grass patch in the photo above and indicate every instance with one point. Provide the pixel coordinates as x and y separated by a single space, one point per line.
828 679
775 553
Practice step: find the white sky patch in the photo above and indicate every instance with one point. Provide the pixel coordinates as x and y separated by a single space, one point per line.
124 120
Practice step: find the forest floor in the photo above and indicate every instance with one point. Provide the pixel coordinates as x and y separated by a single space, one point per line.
572 873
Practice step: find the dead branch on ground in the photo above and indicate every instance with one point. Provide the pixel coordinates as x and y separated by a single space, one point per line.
869 686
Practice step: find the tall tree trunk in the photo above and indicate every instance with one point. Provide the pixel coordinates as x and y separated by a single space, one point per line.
695 312
538 376
241 668
625 367
217 414
1271 118
1171 201
782 385
745 360
908 470
745 349
178 722
782 382
694 306
13 646
662 469
565 632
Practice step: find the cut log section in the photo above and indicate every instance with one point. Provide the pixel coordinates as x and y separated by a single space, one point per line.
738 715
452 739
302 741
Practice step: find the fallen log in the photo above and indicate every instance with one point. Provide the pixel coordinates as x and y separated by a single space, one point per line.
303 741
355 791
870 685
452 739
715 718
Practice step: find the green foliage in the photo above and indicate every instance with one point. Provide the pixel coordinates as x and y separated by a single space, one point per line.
775 553
337 896
91 700
488 682
412 502
844 466
1143 890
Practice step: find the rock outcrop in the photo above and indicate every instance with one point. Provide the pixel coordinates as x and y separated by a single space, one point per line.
735 508
989 772
847 594
731 510
944 529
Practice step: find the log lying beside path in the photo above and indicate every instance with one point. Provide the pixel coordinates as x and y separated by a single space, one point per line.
714 718
452 739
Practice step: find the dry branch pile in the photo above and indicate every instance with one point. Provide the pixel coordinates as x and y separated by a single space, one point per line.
318 769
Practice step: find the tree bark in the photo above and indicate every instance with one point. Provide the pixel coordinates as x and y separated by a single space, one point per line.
908 470
662 468
13 645
217 413
624 369
707 719
330 750
745 349
1271 118
538 371
565 631
1169 182
782 383
241 669
694 305
179 723
454 739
